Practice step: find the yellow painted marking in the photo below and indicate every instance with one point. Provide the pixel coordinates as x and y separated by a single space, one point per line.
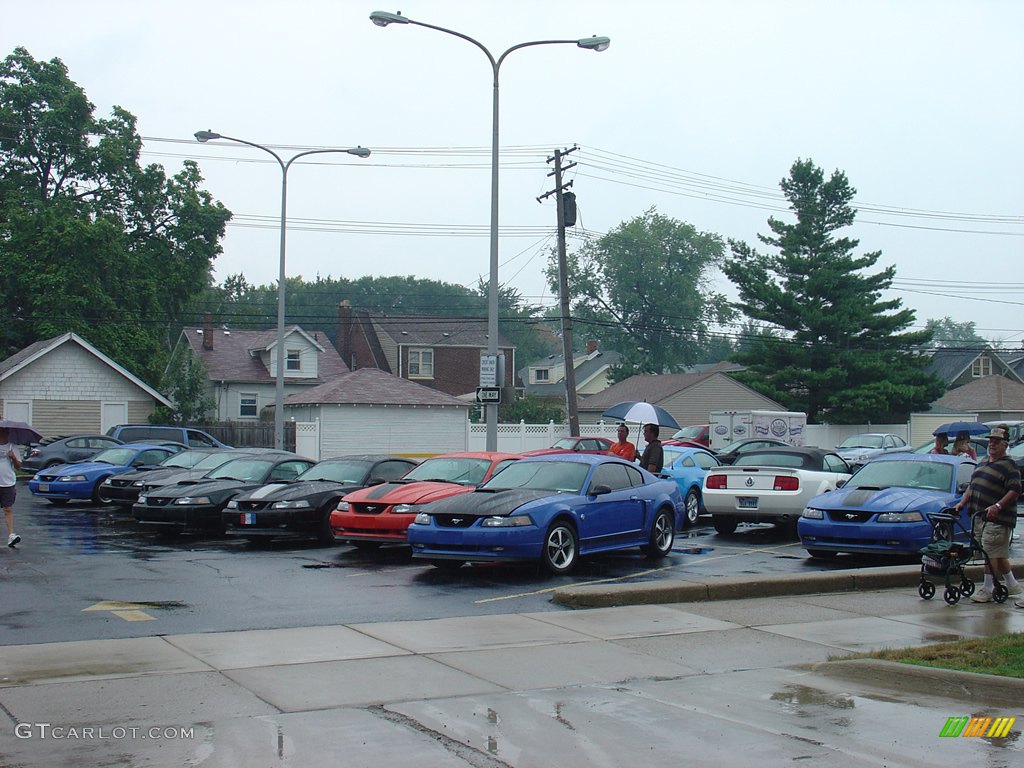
127 611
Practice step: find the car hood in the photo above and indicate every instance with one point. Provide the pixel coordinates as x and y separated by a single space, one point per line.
211 487
893 499
421 492
84 467
300 490
488 503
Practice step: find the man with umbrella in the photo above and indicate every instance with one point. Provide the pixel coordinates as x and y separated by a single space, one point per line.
9 464
653 459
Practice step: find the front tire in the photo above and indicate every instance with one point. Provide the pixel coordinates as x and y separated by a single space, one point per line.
324 533
692 503
561 549
662 536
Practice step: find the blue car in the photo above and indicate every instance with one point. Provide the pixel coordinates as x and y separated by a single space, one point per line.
687 466
64 482
884 507
553 509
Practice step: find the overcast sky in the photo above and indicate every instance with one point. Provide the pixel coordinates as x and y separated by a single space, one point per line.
698 108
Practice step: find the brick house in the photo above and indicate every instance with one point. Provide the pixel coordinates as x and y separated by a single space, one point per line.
442 353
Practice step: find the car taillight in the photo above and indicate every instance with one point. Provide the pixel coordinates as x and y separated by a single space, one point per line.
33 452
787 483
715 481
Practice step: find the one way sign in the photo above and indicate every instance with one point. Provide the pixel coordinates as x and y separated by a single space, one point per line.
491 395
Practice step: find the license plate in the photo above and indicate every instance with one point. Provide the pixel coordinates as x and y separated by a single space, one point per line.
44 487
247 518
746 502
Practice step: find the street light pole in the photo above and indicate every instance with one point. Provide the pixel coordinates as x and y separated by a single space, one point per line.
204 136
382 19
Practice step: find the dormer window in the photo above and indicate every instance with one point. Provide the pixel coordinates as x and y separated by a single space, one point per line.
541 375
421 363
293 362
982 366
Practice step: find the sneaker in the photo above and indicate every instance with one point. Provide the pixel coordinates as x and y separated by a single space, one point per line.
13 539
981 596
1014 590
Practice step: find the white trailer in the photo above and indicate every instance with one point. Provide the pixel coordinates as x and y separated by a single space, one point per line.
729 426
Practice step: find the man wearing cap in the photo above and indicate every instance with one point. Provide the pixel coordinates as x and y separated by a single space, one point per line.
992 496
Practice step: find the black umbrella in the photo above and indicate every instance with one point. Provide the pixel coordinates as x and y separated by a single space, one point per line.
19 433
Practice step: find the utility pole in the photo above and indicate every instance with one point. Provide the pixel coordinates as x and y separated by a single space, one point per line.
563 199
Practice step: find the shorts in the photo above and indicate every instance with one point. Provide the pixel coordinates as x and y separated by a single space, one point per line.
994 538
7 494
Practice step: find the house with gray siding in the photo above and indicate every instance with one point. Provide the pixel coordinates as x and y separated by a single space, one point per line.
64 385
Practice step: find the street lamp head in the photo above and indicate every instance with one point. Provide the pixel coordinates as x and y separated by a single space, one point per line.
206 135
383 18
359 152
594 43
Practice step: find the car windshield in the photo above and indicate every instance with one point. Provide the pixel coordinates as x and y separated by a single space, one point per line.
753 459
689 433
214 460
451 470
555 476
184 460
862 441
248 469
119 456
347 472
931 475
565 444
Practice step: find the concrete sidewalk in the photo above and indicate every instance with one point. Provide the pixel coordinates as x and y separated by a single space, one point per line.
712 682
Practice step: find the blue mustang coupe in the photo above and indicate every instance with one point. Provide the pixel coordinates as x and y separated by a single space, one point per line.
687 466
64 482
554 509
884 507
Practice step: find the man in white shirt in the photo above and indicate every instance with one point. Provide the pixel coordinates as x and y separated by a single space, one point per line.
9 464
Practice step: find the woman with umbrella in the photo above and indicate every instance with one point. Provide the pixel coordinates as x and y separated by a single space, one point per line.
9 465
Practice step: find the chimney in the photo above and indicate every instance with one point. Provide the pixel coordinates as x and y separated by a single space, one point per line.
345 330
207 331
591 346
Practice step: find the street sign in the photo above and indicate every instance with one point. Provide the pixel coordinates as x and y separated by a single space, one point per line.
491 395
488 370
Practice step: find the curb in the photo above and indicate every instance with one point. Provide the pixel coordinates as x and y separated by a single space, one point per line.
928 681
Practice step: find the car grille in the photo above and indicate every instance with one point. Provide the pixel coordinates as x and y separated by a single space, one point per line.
157 501
252 505
850 516
118 482
369 509
453 521
47 478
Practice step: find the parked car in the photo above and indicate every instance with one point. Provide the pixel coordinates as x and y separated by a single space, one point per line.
734 450
64 449
688 466
304 505
382 514
574 445
859 449
1016 427
124 488
197 504
979 444
551 509
770 485
884 507
193 438
64 482
697 433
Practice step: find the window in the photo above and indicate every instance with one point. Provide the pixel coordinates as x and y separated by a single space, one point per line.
982 366
247 406
421 363
541 375
293 362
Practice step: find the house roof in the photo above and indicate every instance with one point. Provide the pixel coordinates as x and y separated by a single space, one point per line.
33 352
232 358
587 365
988 393
949 363
424 330
372 386
653 388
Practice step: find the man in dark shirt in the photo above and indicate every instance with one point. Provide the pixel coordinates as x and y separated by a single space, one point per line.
653 458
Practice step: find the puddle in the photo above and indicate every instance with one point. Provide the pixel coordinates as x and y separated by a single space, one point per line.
693 550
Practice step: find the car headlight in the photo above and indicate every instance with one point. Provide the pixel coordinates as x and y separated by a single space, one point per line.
193 500
813 514
142 500
513 521
900 517
137 484
232 504
71 479
404 509
422 519
295 504
343 506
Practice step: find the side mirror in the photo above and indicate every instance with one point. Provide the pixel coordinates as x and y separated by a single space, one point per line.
600 490
840 484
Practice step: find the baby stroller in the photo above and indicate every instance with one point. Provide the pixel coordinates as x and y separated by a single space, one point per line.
946 557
